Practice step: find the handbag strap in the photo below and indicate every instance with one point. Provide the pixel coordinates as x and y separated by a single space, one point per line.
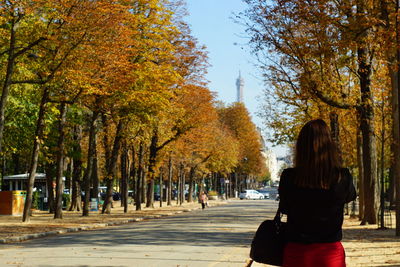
278 215
277 220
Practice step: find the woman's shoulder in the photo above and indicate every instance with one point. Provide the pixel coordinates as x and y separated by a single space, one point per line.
288 170
344 169
286 176
345 177
345 173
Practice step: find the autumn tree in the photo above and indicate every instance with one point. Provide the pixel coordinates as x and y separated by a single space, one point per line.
187 60
237 119
71 26
198 144
328 58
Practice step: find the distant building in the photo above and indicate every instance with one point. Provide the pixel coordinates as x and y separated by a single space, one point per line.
19 182
270 159
272 164
239 88
284 162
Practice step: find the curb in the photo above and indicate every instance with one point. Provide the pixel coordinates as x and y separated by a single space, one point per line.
90 227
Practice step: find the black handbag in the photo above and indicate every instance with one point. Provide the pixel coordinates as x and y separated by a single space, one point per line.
269 241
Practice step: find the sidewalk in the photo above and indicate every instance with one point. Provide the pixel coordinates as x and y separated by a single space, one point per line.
365 245
12 229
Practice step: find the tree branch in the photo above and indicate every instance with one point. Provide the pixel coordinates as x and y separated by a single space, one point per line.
28 47
178 134
30 82
331 102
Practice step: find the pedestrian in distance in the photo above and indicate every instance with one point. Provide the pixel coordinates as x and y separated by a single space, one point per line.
313 195
203 199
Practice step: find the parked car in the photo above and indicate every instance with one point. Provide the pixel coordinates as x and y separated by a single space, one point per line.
264 192
251 194
272 191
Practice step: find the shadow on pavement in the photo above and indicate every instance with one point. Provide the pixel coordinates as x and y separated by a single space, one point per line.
230 225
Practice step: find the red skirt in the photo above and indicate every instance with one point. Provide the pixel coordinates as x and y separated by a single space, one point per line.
314 255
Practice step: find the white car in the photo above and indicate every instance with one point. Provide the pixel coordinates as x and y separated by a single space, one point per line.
251 194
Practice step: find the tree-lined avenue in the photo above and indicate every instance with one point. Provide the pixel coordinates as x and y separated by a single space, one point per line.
216 236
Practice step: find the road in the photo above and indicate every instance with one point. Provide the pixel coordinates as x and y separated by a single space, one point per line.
216 236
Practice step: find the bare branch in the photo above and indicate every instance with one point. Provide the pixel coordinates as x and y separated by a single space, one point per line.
28 47
330 101
29 82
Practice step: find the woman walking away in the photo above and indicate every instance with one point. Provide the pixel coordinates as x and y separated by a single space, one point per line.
203 199
313 194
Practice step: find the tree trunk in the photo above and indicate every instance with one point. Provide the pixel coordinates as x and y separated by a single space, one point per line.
35 155
108 202
150 194
49 182
60 162
382 169
95 173
370 174
178 186
236 193
366 111
143 185
151 167
76 197
68 176
161 186
138 194
360 181
3 171
218 184
225 185
107 152
112 168
122 169
391 189
89 168
231 186
334 123
106 145
169 184
191 179
182 200
124 176
132 174
76 201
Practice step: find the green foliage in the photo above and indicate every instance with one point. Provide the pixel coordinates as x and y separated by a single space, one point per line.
266 178
21 116
66 198
35 201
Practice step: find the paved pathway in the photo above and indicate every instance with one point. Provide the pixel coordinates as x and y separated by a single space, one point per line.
218 236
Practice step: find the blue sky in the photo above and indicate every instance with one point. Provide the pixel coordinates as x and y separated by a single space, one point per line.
225 40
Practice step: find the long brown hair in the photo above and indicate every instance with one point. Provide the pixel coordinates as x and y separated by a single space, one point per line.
316 160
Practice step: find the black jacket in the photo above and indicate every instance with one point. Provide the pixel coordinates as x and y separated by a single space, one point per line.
314 215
